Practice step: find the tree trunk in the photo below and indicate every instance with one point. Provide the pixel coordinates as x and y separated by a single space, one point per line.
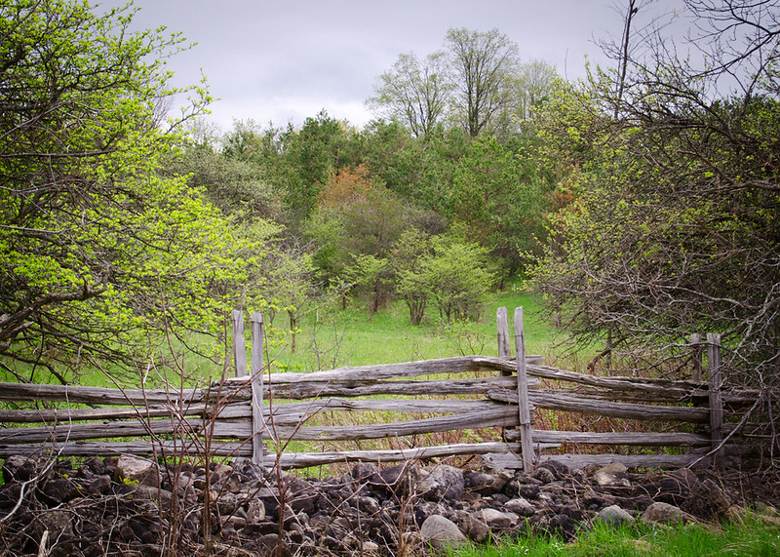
293 330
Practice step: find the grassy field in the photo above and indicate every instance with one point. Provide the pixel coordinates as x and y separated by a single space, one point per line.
330 338
750 538
354 337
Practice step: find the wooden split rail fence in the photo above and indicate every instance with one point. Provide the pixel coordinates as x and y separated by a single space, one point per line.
242 416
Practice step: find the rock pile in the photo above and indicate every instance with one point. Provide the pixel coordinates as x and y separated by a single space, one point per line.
132 506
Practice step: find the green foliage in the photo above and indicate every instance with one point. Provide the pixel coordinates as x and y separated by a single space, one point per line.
331 256
457 278
393 156
407 258
665 227
355 217
309 157
371 275
234 185
100 252
497 195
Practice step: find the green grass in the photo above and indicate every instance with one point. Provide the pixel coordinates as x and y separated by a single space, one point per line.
330 338
749 538
354 337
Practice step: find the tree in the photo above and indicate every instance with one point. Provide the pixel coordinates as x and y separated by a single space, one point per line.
415 93
532 85
355 216
438 162
393 156
370 275
309 157
499 198
100 252
457 277
673 223
238 187
483 65
290 286
406 259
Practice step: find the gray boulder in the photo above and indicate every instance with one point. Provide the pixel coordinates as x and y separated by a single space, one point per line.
141 470
474 527
441 532
498 520
615 515
19 468
611 475
484 484
255 511
664 513
443 482
520 506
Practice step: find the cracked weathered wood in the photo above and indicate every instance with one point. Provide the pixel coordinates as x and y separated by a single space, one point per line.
588 405
239 351
141 447
639 438
524 406
258 422
287 425
94 395
502 333
288 460
388 371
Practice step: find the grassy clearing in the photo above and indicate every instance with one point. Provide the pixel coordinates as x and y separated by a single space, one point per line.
748 538
330 338
353 337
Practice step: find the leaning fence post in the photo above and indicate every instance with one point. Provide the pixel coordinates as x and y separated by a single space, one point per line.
716 402
526 440
696 347
239 352
502 327
258 421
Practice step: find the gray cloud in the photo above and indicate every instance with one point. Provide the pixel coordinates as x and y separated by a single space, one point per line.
283 61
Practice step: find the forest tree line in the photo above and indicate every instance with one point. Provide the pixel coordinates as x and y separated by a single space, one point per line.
641 201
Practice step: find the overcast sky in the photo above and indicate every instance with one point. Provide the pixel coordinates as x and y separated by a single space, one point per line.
282 61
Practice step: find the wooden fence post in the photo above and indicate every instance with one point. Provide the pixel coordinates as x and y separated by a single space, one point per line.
502 328
258 420
716 402
526 441
697 354
239 352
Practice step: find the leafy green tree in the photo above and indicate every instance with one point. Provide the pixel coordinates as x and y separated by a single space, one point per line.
498 196
310 156
100 252
370 275
439 161
457 277
355 217
393 157
290 274
238 187
406 260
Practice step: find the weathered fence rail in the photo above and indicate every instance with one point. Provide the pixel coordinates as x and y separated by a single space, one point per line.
241 415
